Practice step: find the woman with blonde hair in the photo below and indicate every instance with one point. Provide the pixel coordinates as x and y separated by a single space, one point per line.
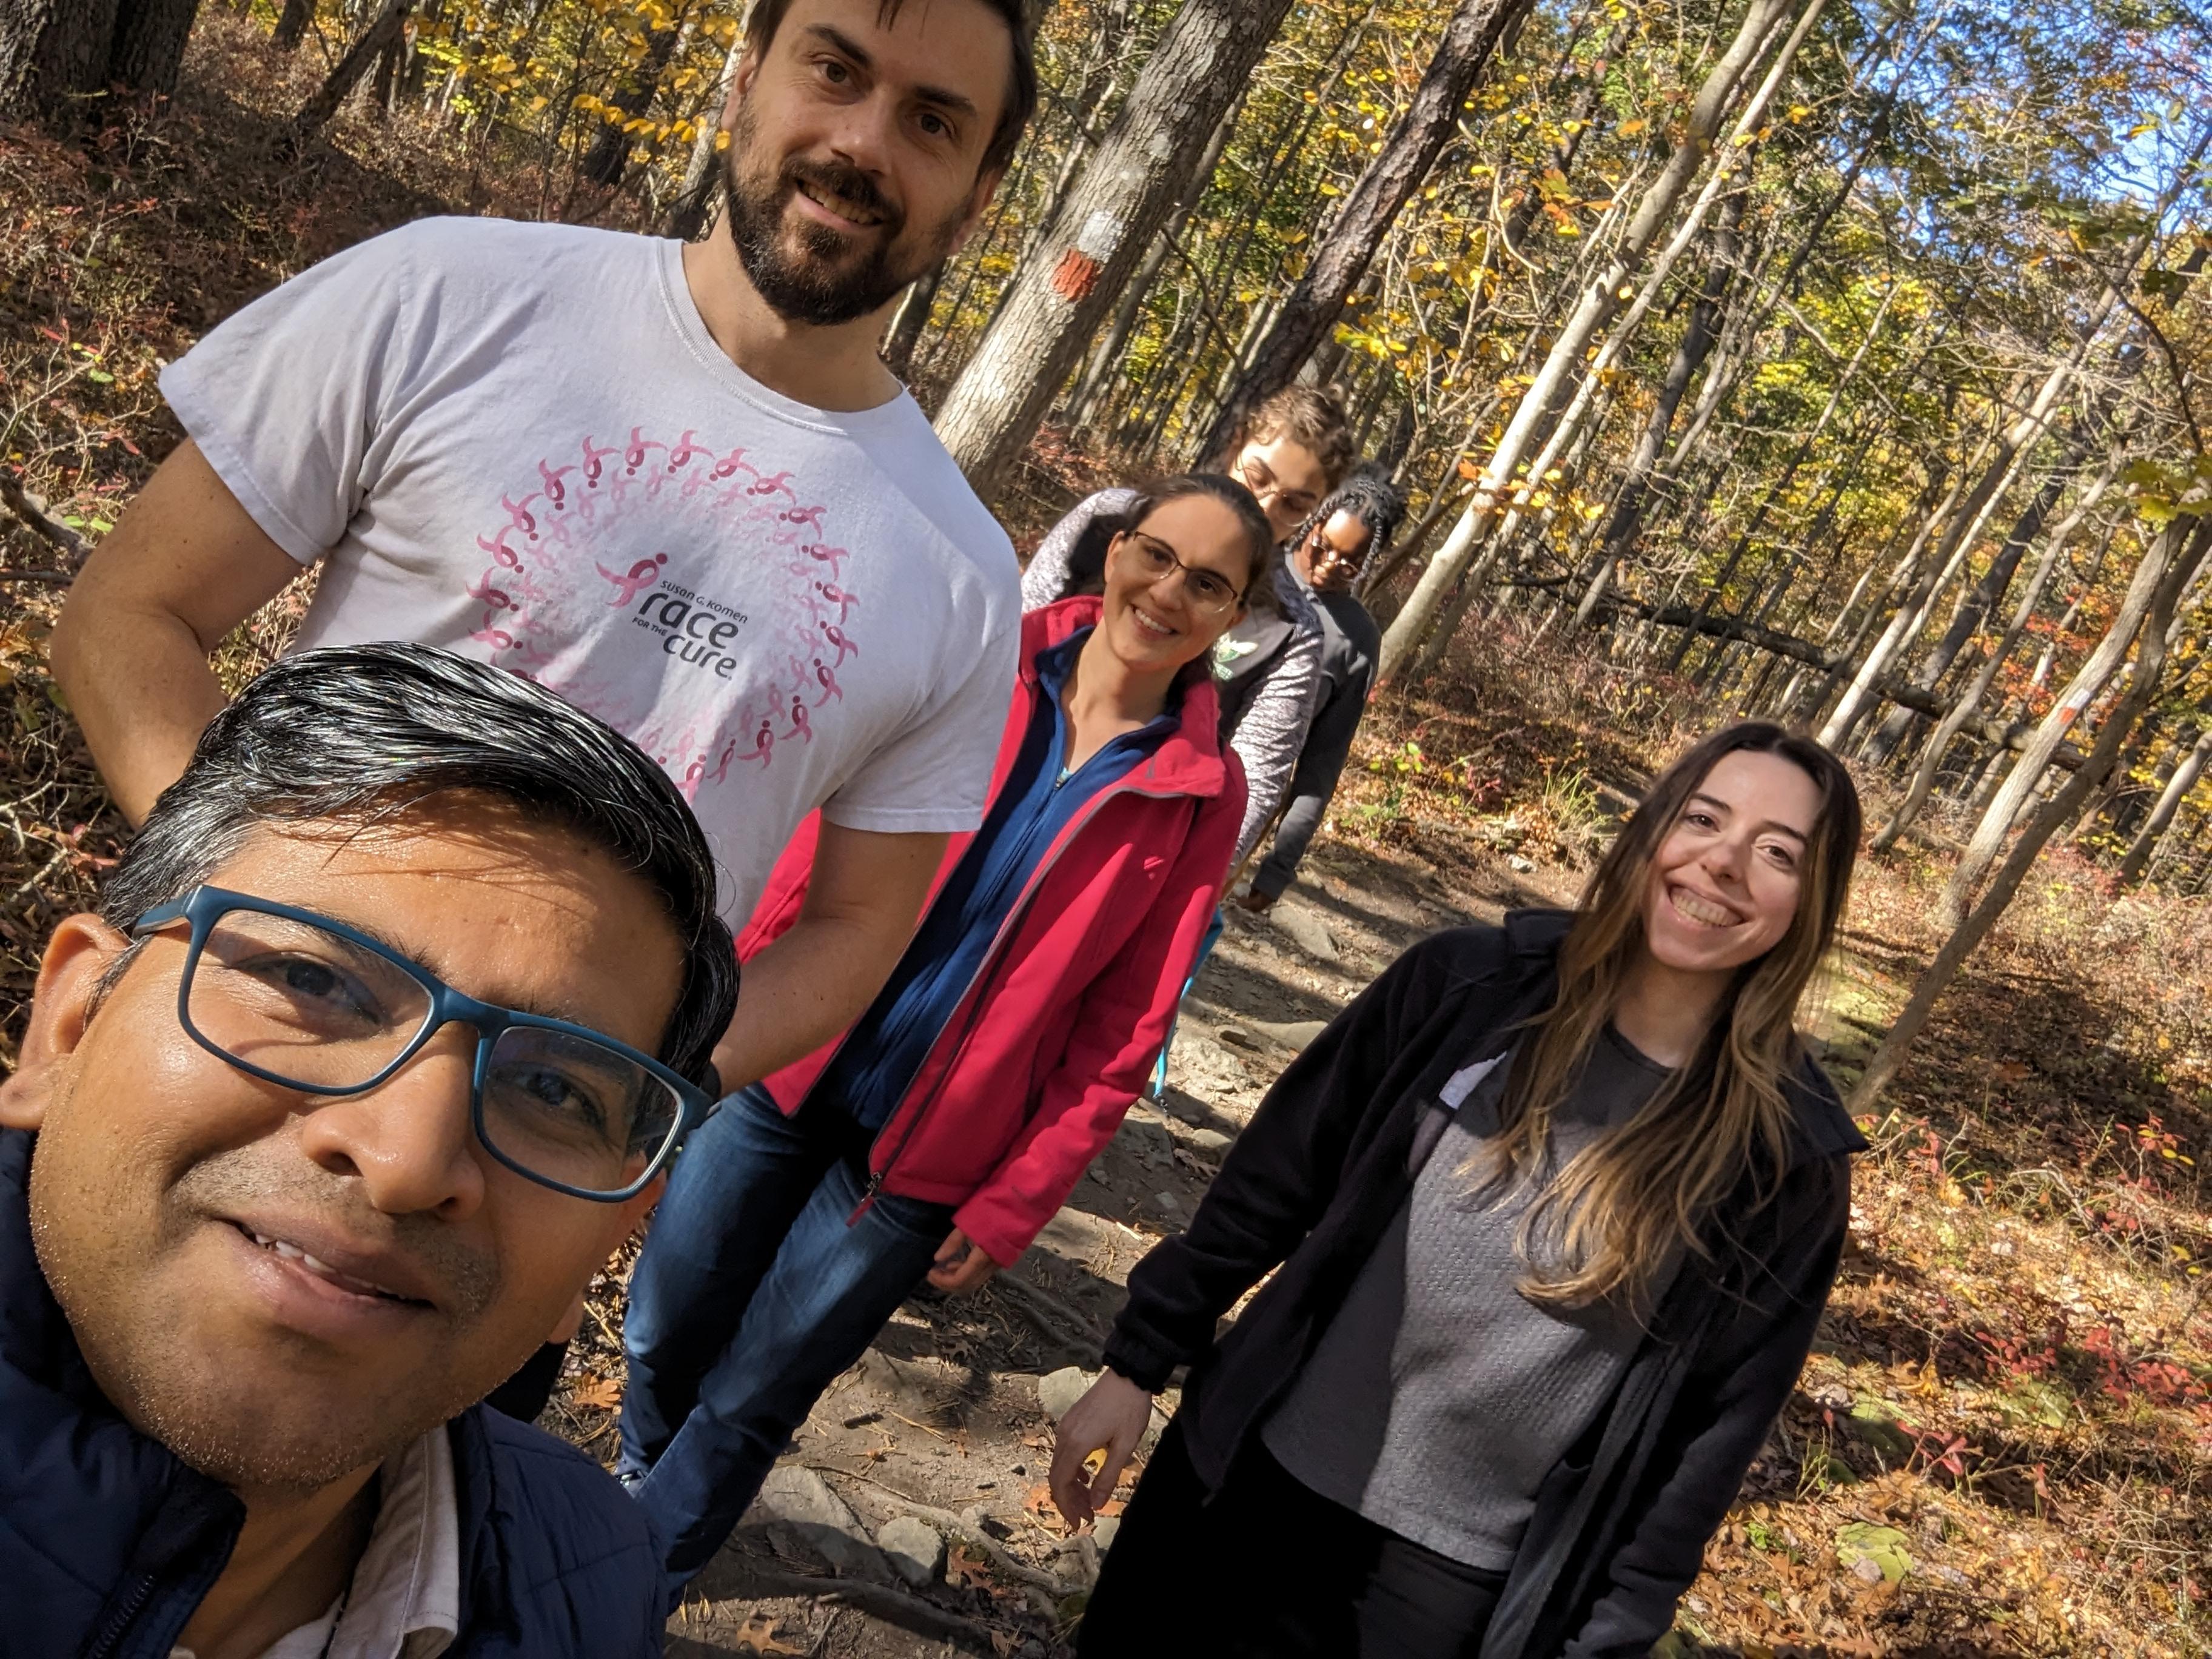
1552 1212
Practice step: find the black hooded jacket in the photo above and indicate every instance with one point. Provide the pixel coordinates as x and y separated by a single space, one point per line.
1621 1522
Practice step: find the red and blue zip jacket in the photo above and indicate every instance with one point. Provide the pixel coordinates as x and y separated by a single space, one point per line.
1052 1036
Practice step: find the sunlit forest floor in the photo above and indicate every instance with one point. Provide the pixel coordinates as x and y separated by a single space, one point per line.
2002 1444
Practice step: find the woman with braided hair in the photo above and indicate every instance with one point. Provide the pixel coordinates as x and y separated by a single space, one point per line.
1346 533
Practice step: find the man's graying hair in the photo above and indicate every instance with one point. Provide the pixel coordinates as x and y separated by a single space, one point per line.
358 735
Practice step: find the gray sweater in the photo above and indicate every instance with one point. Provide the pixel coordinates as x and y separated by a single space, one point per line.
1439 1397
1272 729
1352 646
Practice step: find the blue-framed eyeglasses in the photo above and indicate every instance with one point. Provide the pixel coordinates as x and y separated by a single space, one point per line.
303 1001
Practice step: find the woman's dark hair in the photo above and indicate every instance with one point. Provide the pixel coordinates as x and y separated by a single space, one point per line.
365 734
766 17
1086 560
1368 495
1375 501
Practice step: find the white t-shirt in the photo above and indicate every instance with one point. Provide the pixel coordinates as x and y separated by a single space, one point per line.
519 441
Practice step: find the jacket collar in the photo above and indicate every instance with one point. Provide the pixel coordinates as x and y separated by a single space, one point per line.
1189 761
1823 1128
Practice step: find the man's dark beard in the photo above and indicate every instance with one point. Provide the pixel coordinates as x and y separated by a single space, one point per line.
819 284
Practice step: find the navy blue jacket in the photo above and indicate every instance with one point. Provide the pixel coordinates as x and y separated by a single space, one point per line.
107 1543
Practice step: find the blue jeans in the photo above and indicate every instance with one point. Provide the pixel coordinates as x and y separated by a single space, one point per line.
755 1290
1205 950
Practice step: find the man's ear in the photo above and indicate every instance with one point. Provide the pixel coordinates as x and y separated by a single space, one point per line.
741 82
629 1215
77 959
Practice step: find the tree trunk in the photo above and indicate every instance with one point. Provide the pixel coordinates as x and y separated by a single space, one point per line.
2149 608
1110 217
1108 353
148 47
382 30
1950 554
1780 486
905 331
1566 429
2088 682
1970 701
53 51
292 24
1341 256
2012 449
1086 97
1975 607
608 158
1600 300
688 215
1514 233
2177 786
1698 337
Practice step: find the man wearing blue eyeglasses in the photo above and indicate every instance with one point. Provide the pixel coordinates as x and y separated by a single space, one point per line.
393 1017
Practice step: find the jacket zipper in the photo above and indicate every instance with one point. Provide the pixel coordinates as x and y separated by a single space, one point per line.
837 1052
1053 755
111 1631
989 965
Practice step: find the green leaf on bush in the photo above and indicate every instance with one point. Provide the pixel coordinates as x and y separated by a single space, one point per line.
1877 1424
1883 1546
2026 1399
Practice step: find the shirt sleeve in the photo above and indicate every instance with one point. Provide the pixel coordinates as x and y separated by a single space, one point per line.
1328 742
1274 730
286 397
936 775
1046 578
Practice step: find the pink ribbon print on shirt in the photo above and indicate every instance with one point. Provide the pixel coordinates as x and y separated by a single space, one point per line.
632 549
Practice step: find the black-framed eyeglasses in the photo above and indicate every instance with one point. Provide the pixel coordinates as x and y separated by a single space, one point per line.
308 1003
1209 591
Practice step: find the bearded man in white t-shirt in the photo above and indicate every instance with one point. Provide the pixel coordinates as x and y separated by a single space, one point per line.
673 483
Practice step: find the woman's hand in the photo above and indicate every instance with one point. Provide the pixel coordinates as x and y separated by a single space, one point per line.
1112 1418
962 1266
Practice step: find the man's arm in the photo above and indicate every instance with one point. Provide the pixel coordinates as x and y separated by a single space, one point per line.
184 566
802 991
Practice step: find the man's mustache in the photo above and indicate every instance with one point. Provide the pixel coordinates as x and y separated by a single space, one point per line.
258 1177
849 183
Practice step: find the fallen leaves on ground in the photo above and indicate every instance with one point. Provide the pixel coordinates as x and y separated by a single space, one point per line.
757 1635
602 1393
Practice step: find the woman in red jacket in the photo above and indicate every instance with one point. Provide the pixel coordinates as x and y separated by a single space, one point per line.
946 1126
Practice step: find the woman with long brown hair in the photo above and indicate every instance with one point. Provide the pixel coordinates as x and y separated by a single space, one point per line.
1551 1210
